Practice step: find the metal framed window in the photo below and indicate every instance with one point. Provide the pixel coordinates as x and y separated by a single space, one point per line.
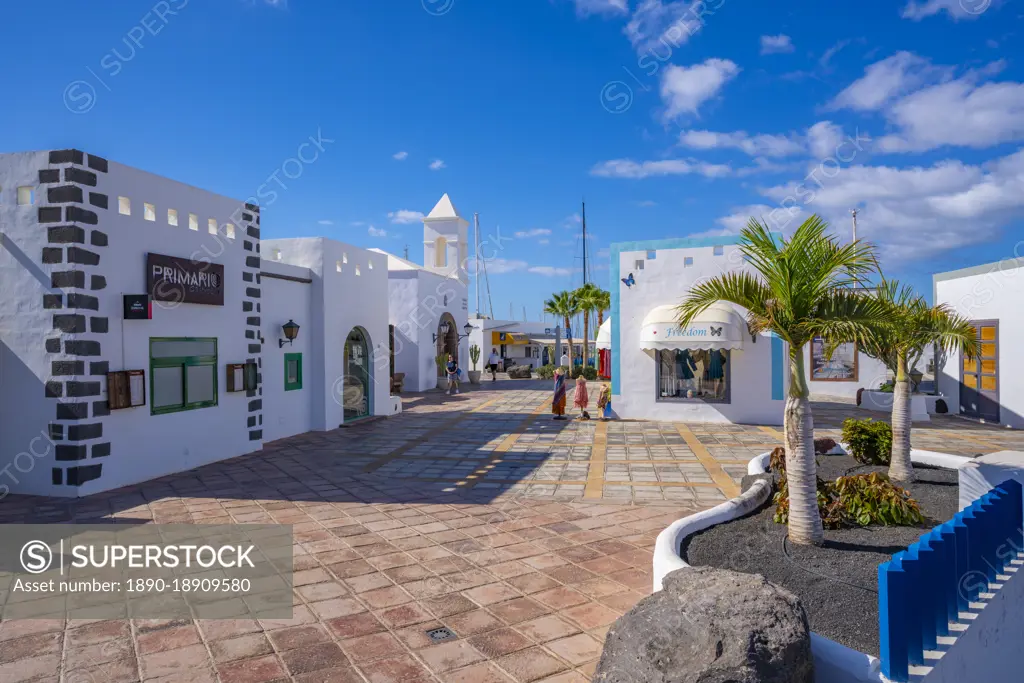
292 371
183 374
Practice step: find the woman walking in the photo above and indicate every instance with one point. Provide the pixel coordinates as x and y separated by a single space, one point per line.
603 399
558 401
581 400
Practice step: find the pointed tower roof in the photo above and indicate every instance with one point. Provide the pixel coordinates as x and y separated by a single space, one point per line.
444 210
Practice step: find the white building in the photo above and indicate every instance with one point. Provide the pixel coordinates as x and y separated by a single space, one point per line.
990 387
347 334
521 342
428 304
100 388
713 371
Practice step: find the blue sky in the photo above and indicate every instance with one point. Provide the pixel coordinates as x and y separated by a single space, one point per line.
670 119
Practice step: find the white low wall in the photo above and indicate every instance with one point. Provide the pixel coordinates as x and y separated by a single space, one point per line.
922 406
833 662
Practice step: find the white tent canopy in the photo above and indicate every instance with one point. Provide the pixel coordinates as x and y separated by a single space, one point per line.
604 335
720 326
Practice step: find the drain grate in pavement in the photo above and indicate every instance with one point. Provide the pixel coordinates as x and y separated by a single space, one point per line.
439 634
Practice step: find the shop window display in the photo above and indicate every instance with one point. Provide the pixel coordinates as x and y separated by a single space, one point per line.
694 374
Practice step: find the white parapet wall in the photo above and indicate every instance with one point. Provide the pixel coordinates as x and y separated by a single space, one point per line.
833 662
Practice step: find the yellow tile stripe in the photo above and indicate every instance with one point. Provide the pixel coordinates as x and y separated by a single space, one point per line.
473 479
595 475
718 475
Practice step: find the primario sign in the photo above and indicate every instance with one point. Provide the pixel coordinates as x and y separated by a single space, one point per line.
179 280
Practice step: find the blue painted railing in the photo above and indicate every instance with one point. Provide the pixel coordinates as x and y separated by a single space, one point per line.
922 589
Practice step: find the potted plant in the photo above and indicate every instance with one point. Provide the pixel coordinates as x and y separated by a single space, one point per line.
474 355
442 377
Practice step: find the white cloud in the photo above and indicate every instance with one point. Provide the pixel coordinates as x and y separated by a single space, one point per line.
824 139
588 7
914 213
883 81
436 165
775 217
535 232
685 89
754 145
325 222
400 156
959 113
549 271
627 168
498 266
781 43
659 26
916 10
376 232
825 61
646 203
357 224
543 241
404 216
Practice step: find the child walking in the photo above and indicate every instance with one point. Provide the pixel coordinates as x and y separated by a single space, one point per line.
581 399
603 397
558 401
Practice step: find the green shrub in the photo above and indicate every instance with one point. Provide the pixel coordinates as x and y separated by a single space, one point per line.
886 387
857 500
546 371
588 372
869 442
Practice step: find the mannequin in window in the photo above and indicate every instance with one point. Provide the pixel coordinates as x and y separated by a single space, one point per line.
684 372
716 372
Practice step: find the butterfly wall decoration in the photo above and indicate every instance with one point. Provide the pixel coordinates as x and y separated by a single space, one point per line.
716 331
629 281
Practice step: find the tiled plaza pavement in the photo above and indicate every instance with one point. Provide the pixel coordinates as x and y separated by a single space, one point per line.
524 536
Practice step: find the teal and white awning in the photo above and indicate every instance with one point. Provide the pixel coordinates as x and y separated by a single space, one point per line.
719 327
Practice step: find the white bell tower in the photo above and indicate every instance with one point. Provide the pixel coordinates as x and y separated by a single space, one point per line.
446 241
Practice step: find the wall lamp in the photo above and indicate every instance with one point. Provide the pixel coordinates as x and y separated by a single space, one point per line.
446 327
291 331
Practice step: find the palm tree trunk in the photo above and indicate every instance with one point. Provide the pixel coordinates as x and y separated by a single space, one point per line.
801 468
900 468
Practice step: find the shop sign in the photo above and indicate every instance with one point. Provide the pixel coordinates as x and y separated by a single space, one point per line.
179 280
137 307
693 332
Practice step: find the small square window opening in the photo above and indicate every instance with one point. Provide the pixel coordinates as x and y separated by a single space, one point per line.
638 264
651 255
337 266
149 212
124 206
193 222
357 270
26 196
172 216
719 250
687 261
211 225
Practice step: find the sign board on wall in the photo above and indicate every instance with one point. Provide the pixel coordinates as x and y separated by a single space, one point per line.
179 280
137 307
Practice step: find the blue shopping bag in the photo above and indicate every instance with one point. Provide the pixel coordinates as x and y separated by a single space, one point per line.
608 409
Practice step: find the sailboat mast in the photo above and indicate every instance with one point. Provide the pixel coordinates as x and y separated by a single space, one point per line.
476 259
584 217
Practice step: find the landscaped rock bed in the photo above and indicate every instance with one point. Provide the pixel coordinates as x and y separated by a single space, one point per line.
838 582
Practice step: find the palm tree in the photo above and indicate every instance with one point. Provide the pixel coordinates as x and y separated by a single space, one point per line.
899 345
604 302
589 298
799 288
563 304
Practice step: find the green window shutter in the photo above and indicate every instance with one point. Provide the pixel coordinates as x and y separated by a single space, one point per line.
292 371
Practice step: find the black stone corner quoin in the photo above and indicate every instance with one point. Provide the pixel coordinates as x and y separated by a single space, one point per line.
67 376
